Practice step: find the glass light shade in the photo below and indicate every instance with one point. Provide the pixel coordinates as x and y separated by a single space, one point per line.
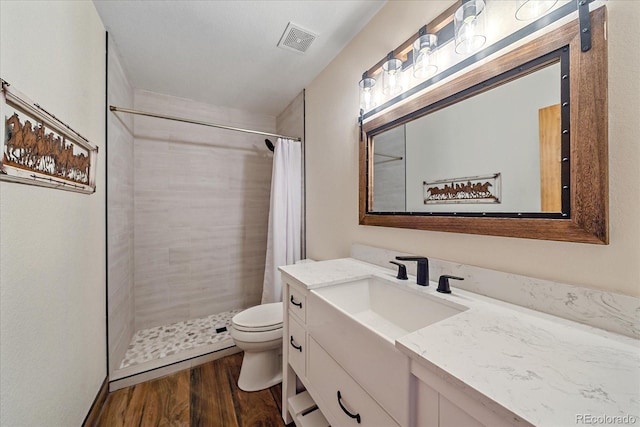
367 99
469 26
391 84
424 56
532 9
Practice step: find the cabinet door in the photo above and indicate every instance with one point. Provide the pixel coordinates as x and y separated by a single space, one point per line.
478 409
426 405
434 410
452 416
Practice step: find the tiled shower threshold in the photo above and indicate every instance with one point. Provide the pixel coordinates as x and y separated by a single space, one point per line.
162 350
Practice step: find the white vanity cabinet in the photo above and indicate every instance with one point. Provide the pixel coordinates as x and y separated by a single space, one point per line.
350 328
342 400
357 378
379 385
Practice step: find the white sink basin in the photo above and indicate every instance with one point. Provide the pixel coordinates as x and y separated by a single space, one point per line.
389 309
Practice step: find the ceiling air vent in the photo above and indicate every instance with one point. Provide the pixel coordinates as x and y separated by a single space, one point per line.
296 39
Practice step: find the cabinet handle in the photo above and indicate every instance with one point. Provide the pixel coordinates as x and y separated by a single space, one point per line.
356 416
298 304
297 347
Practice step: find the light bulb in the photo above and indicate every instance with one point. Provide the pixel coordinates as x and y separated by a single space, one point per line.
390 84
424 56
532 9
469 23
367 101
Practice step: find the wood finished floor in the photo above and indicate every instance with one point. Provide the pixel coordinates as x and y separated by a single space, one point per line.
206 395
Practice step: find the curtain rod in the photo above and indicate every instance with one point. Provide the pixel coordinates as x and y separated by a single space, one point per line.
197 122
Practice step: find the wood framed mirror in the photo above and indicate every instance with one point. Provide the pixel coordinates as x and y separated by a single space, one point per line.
571 202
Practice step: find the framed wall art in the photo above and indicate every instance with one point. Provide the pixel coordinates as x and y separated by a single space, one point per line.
473 189
37 148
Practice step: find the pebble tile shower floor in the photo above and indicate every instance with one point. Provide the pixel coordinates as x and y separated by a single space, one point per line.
162 341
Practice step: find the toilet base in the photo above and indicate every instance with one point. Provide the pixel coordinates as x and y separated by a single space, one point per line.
260 370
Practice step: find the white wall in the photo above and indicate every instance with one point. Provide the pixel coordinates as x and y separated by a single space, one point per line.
201 210
120 230
52 244
332 166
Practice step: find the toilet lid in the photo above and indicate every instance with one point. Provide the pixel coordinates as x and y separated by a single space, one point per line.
260 317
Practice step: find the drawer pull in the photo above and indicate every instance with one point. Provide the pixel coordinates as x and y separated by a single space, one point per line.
297 347
298 304
356 416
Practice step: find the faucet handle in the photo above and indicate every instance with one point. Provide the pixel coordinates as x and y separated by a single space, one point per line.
402 270
443 283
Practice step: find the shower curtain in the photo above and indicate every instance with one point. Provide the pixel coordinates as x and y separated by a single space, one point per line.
283 236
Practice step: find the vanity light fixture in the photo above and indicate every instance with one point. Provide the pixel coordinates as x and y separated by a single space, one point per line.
469 26
392 68
434 58
532 9
425 54
367 100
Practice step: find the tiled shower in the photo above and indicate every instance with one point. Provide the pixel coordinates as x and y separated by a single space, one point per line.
187 216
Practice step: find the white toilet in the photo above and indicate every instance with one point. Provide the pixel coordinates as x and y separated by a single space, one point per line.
258 331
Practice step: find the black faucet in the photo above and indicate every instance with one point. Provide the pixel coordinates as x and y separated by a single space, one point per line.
423 268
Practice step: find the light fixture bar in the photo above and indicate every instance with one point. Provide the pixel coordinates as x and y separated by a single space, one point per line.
445 19
536 25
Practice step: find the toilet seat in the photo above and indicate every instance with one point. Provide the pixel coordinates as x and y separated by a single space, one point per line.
261 337
261 318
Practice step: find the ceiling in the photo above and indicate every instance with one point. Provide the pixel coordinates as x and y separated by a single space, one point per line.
225 52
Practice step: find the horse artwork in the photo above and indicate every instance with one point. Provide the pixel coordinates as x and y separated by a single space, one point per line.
39 149
478 189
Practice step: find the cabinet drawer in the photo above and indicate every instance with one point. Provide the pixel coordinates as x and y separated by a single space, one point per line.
298 303
329 380
297 347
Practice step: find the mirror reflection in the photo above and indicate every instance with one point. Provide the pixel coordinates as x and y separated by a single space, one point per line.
497 151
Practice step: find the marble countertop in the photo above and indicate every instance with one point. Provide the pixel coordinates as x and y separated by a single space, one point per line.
547 370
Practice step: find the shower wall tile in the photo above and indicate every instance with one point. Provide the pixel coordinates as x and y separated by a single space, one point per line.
290 122
201 211
120 223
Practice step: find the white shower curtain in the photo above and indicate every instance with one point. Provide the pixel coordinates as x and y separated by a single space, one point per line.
283 237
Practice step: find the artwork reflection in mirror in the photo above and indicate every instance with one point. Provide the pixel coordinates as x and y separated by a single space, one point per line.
497 152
